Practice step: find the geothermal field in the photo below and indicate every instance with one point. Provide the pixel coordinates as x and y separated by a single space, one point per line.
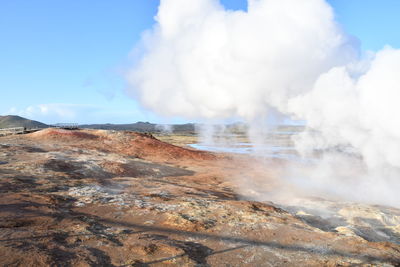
122 198
200 133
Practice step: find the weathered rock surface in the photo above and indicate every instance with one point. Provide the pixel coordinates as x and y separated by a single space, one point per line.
104 198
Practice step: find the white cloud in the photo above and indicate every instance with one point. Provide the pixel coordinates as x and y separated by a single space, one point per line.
74 113
54 112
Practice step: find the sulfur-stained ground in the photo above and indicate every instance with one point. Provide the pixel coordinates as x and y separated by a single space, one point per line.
105 198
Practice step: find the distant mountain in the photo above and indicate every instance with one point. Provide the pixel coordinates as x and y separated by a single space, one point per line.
138 126
142 127
17 121
11 121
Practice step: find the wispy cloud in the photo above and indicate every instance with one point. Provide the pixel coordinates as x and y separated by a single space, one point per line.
77 113
54 112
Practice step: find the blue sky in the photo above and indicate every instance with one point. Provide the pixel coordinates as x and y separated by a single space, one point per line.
61 61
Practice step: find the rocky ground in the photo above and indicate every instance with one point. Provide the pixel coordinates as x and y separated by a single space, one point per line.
106 198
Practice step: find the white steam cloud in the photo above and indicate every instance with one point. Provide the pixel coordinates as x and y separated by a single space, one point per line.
202 61
361 112
279 57
357 115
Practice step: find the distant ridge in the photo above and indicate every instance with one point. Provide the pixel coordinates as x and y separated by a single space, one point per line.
141 127
10 121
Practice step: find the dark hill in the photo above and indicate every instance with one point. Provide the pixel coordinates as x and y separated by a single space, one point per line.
141 127
11 121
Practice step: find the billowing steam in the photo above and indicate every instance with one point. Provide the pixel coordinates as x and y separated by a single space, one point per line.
279 57
355 113
202 61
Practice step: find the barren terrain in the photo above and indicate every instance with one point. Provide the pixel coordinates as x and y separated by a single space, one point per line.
108 198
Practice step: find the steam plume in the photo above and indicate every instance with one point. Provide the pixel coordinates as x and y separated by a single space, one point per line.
202 61
280 57
356 114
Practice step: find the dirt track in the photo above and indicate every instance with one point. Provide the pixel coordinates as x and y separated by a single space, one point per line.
105 198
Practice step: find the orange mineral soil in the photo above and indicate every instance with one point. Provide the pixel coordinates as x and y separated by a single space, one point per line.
107 198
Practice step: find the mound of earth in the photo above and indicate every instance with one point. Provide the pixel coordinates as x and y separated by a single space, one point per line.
138 145
106 198
63 135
